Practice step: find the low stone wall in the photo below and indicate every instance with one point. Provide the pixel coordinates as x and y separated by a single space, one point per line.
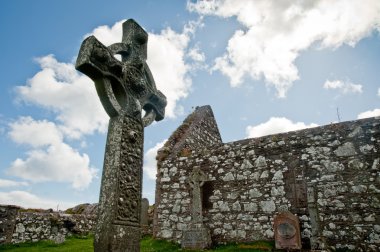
17 226
32 227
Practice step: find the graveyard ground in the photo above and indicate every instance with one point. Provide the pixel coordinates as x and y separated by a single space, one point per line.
148 244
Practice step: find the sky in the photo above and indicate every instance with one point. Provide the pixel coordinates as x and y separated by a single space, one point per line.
264 66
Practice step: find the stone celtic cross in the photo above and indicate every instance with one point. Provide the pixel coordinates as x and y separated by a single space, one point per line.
125 88
196 236
197 179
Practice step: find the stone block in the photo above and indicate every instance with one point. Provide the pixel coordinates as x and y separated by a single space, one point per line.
196 237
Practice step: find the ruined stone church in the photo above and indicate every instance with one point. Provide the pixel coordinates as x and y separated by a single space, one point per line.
328 176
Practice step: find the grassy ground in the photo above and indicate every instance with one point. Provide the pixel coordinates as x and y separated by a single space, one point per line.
70 245
84 244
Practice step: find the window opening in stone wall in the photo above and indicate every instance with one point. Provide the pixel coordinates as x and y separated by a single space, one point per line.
207 191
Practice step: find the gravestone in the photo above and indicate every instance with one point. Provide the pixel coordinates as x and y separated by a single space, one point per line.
145 229
287 233
196 236
125 88
144 212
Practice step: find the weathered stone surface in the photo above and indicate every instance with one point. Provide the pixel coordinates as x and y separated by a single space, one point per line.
124 88
229 177
345 150
86 208
246 165
268 206
277 176
255 193
260 162
250 207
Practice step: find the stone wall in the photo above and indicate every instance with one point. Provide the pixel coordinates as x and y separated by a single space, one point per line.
198 132
33 227
329 176
18 225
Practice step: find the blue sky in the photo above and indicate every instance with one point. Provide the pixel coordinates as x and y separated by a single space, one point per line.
264 67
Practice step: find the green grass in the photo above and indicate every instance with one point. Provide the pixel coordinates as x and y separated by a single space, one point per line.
258 246
70 245
148 244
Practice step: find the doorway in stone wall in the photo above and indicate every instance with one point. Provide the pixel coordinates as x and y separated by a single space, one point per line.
296 190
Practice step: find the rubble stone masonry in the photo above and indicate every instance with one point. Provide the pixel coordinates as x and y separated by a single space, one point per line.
328 176
17 226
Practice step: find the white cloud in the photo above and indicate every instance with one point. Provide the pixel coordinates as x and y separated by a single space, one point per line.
276 125
108 35
370 113
150 163
35 133
12 183
28 200
166 59
166 53
344 87
277 32
197 58
50 159
58 87
56 163
196 55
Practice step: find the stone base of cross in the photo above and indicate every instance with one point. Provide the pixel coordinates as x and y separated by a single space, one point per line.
197 236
